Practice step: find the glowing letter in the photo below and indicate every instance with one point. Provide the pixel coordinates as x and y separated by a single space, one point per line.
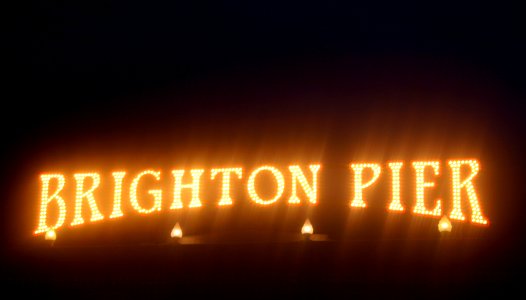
81 194
252 189
311 191
118 177
396 204
157 194
359 186
225 190
178 186
45 199
421 184
456 213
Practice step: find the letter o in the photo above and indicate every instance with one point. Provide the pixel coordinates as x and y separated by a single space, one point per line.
252 189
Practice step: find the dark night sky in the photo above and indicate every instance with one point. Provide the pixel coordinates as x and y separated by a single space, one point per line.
143 85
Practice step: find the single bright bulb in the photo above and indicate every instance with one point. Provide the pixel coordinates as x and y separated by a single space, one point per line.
307 228
444 225
51 235
177 232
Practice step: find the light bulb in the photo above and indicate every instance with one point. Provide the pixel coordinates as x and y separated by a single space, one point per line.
51 235
307 229
444 225
177 232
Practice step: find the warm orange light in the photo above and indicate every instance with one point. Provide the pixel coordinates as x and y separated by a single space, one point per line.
358 181
463 174
117 195
157 194
88 195
46 199
444 225
51 235
280 181
456 213
179 186
307 228
177 232
310 190
421 184
396 202
225 188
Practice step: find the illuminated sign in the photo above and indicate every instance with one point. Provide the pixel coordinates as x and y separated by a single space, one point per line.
363 177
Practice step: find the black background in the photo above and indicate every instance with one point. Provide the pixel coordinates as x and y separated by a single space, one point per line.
125 85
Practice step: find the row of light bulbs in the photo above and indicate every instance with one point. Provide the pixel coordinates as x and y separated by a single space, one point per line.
444 225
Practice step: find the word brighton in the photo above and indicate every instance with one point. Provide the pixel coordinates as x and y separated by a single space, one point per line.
305 178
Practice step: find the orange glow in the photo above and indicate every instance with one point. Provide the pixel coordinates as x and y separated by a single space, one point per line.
45 199
51 235
225 187
177 232
157 194
117 195
444 225
310 190
456 213
358 181
421 184
307 228
88 195
54 209
280 181
194 186
396 204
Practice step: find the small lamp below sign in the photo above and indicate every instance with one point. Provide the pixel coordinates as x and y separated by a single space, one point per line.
444 225
50 236
307 230
177 232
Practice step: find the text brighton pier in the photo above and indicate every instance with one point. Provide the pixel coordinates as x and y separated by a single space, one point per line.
305 178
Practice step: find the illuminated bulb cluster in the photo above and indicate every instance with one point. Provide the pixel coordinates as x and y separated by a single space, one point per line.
53 185
157 194
396 204
310 190
226 199
252 181
458 185
45 199
117 194
358 181
194 186
421 184
88 195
